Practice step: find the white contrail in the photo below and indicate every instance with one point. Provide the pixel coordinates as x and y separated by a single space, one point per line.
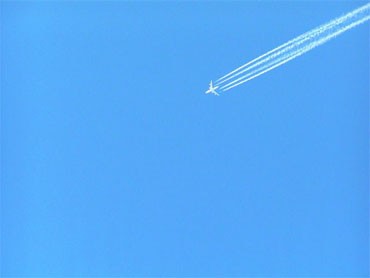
293 55
295 48
288 45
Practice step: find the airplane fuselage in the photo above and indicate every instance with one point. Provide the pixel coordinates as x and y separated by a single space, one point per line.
212 90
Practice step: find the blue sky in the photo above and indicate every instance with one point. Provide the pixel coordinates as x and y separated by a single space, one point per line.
115 163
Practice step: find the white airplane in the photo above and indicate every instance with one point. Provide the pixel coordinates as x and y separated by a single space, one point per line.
212 90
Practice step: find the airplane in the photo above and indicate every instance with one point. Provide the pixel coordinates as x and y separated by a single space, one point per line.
212 90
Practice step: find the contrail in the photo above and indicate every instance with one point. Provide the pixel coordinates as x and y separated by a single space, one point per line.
290 44
293 48
292 55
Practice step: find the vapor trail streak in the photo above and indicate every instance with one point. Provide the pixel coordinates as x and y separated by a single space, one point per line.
287 46
294 48
293 55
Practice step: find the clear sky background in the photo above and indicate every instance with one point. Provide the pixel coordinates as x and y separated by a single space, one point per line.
115 162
